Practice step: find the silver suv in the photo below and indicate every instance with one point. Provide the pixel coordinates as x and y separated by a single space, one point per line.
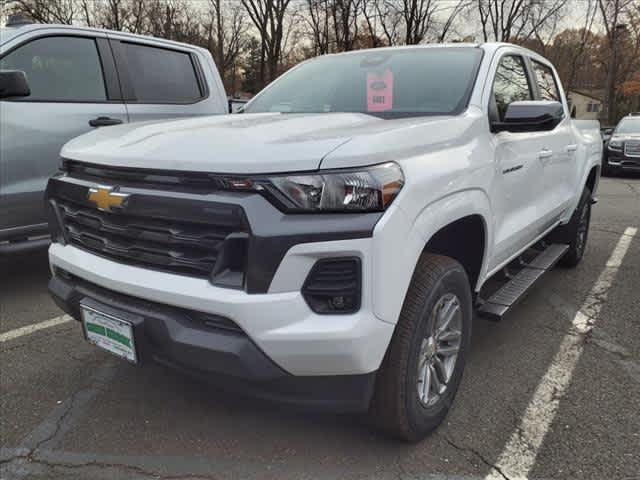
57 82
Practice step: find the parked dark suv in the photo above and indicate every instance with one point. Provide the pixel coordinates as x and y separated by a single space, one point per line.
623 148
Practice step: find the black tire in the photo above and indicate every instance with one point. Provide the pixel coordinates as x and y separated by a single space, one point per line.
396 407
576 232
607 170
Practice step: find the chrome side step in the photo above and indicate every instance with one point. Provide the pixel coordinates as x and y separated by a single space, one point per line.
507 296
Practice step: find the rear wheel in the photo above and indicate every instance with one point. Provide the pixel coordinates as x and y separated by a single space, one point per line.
576 232
422 369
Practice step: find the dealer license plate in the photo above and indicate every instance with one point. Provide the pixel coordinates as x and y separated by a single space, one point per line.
109 333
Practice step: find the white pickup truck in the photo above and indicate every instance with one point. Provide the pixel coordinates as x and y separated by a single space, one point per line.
329 246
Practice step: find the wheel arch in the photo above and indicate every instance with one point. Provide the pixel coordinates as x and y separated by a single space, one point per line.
593 178
464 240
431 229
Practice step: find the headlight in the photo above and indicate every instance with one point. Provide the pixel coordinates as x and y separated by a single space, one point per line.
355 190
615 144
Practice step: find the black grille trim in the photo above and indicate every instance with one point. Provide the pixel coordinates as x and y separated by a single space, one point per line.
178 181
175 246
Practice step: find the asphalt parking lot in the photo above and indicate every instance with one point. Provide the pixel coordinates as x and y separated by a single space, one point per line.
553 391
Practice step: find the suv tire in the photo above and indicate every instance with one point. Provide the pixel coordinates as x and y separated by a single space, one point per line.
434 322
607 170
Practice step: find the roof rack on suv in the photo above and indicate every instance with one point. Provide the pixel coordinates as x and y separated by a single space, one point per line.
18 20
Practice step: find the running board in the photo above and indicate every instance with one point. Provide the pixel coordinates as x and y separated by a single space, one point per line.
503 300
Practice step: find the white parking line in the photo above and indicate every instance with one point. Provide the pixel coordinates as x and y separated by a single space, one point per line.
519 455
29 329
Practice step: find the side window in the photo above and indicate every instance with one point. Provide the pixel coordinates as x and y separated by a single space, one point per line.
510 85
546 82
60 69
159 75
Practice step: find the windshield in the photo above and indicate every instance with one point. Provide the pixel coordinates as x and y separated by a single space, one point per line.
628 125
388 83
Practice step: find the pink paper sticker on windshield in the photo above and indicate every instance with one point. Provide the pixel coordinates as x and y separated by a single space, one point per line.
380 91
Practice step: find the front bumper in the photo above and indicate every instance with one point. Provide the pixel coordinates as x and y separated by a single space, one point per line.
619 161
282 325
218 352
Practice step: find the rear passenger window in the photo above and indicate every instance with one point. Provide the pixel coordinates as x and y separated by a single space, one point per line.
546 82
60 69
510 85
159 75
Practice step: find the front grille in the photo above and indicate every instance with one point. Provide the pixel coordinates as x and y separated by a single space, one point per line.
632 148
176 246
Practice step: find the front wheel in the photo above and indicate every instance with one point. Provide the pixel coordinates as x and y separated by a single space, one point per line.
607 170
422 369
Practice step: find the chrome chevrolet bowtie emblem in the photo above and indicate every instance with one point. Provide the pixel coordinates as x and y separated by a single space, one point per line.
106 198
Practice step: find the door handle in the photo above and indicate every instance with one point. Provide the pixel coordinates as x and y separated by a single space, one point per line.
572 148
104 122
545 154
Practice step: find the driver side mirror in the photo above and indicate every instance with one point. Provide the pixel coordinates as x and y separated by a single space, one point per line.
530 116
13 83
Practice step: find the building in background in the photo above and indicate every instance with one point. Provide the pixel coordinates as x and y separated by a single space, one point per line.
586 105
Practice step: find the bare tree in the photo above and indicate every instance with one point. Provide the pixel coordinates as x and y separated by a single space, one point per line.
345 15
226 34
317 19
451 15
4 10
412 22
125 15
45 11
614 14
418 19
585 38
268 16
507 20
371 21
114 11
172 19
390 17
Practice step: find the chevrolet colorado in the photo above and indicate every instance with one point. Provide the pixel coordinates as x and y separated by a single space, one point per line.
329 246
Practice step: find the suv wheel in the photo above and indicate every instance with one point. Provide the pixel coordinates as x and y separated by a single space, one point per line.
422 369
607 170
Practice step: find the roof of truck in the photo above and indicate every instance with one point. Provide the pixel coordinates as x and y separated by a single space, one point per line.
7 33
489 47
11 32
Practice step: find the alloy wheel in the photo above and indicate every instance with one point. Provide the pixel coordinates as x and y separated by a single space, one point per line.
439 350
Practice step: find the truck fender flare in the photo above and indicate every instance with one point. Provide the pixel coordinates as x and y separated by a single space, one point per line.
392 273
584 176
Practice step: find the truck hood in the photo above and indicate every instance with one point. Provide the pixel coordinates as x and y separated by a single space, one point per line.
247 143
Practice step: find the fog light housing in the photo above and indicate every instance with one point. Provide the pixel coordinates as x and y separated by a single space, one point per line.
334 286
